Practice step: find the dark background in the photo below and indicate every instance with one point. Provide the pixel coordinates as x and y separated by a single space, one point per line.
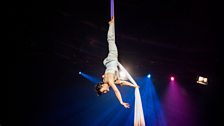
51 41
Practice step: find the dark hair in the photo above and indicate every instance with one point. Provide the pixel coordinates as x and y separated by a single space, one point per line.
98 87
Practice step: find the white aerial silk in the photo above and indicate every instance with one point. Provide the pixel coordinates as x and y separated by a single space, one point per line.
139 119
138 115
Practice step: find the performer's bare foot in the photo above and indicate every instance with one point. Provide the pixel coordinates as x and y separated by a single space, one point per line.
112 20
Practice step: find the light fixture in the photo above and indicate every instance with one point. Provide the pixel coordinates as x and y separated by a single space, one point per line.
202 80
172 78
149 75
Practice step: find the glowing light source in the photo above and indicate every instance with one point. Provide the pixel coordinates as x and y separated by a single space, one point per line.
149 75
80 73
122 75
172 78
202 80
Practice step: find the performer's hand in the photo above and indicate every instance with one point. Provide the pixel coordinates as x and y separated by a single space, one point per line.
126 105
136 86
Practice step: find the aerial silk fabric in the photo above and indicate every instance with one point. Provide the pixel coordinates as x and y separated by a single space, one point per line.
111 8
139 119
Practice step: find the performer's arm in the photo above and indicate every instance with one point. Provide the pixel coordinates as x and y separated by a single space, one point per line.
111 31
118 95
126 83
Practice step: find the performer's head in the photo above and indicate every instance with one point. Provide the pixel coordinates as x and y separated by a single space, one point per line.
102 88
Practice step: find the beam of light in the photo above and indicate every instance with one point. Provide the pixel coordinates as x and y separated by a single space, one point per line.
179 106
92 79
109 112
111 8
153 111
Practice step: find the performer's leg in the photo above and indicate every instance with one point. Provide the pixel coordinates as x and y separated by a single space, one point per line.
111 60
113 52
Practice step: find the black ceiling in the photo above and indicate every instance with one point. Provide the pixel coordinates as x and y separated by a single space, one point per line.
155 36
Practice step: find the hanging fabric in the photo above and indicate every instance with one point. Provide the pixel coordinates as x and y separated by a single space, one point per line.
139 119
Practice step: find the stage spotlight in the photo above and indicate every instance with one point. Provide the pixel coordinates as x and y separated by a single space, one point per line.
202 80
172 78
148 76
80 73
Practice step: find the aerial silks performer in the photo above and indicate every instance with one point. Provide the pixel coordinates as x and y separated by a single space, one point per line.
111 75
